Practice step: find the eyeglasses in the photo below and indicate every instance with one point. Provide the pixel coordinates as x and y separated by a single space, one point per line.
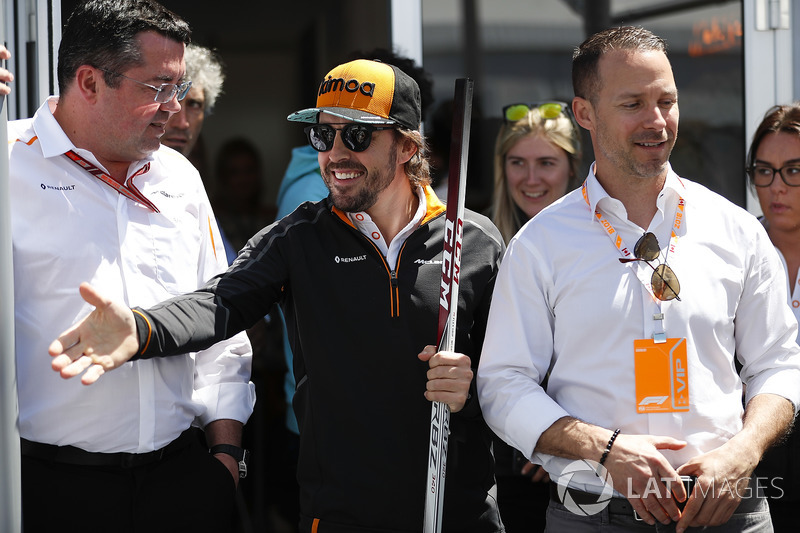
515 112
763 175
165 93
355 136
663 281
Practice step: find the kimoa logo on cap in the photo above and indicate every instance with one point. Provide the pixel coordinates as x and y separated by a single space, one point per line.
352 85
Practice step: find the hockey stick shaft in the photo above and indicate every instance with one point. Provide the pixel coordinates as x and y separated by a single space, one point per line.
448 297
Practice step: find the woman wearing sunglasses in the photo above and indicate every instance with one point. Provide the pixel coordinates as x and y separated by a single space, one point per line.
773 166
536 160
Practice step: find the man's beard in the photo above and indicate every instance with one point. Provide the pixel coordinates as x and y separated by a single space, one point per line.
374 182
626 162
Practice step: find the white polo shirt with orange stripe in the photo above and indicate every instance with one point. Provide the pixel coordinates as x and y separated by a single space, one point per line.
68 226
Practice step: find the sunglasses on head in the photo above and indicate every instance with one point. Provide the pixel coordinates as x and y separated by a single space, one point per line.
663 281
515 112
355 136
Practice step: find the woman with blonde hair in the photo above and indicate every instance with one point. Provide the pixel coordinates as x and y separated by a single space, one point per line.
536 161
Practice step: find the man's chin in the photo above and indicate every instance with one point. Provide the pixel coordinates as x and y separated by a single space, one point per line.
353 204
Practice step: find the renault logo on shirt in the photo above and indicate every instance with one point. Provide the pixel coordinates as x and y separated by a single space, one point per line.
350 259
57 187
168 195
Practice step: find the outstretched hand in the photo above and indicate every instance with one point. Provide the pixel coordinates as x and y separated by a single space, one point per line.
102 341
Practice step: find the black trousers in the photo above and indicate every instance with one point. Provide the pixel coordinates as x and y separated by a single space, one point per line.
188 490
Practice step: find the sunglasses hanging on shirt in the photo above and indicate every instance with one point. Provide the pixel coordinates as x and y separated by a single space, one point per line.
664 282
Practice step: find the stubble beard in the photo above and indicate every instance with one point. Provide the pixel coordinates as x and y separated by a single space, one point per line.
629 165
374 182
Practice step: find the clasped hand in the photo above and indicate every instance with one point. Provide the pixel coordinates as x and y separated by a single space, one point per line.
645 477
449 377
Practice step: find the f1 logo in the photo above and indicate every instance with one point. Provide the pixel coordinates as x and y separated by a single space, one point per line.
653 400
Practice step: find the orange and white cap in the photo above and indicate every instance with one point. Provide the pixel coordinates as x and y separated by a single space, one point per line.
370 92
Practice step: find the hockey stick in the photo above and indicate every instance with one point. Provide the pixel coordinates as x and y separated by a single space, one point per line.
448 297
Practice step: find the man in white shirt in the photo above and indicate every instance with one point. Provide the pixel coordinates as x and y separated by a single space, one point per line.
635 294
95 197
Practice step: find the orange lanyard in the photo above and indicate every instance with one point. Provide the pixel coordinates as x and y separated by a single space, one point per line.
130 191
616 238
659 336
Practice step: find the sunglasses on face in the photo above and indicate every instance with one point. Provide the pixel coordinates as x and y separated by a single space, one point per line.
663 281
515 112
356 137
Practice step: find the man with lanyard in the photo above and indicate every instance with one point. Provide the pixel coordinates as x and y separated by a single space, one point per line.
94 197
636 293
357 276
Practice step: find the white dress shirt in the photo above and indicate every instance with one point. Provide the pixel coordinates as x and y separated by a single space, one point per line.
69 227
793 290
564 303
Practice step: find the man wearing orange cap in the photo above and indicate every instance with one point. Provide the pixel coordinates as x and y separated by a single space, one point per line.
357 276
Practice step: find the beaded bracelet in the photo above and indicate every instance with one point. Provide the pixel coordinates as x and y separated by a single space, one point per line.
609 445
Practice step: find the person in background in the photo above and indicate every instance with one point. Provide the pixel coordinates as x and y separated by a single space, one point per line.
95 196
238 198
184 128
635 294
773 165
536 161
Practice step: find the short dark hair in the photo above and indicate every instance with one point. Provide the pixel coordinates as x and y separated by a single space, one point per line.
585 79
778 119
102 33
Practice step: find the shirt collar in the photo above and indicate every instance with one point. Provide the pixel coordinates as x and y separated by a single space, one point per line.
594 192
361 218
53 140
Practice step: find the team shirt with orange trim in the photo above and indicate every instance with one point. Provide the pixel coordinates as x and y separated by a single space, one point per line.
356 321
69 227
